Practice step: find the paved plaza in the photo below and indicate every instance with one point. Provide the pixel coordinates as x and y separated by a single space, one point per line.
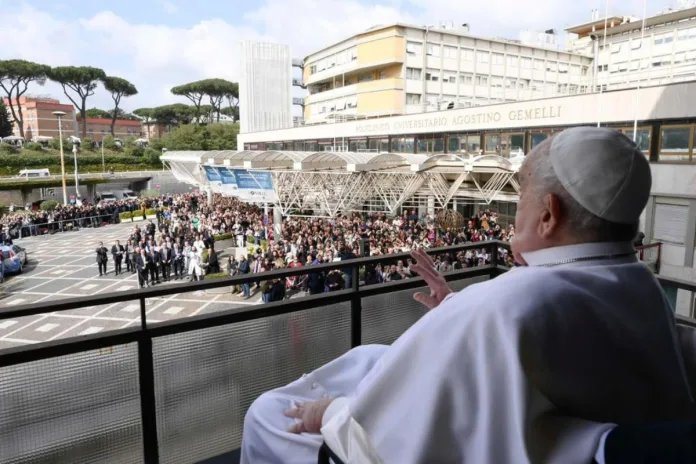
64 265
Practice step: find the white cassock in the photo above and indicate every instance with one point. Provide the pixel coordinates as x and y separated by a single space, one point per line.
532 366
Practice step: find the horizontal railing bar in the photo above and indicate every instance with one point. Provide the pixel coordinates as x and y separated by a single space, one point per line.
679 283
117 297
683 320
62 347
415 282
236 315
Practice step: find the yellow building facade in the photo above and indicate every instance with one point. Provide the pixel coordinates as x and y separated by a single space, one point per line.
401 69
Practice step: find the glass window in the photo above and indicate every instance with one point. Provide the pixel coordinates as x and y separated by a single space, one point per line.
512 60
492 143
357 145
675 143
414 48
402 144
537 138
450 52
453 144
467 54
379 145
498 58
413 98
434 49
413 73
431 144
466 78
482 57
642 139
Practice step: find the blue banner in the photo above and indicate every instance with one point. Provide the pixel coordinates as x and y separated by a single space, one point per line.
211 174
227 176
253 179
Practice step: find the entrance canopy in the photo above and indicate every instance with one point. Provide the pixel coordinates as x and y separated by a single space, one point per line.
336 181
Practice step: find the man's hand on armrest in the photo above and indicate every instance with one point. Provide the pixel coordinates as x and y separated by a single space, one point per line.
311 414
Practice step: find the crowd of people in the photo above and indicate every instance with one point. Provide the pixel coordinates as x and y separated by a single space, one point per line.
182 243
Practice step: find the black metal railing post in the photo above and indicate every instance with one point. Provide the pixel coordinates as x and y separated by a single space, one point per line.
146 375
355 308
494 254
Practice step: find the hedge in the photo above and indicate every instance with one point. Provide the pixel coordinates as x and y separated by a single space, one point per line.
217 275
137 213
48 205
14 184
33 159
220 237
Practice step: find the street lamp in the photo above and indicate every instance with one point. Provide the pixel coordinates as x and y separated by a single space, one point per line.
77 184
59 115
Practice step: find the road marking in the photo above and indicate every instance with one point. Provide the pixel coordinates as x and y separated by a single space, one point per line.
173 310
124 288
46 327
89 286
131 308
7 324
16 301
91 330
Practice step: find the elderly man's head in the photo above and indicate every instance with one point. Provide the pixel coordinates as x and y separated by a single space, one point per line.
583 185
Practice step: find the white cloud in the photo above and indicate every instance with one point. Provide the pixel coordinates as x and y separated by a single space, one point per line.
156 57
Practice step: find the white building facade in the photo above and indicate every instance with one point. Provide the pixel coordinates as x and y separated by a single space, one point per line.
265 87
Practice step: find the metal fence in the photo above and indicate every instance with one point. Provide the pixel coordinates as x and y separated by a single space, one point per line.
62 226
177 391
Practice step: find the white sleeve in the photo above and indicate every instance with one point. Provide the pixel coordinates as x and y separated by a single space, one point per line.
599 455
345 437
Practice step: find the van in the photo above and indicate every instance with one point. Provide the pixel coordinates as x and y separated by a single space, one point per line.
107 197
33 173
129 194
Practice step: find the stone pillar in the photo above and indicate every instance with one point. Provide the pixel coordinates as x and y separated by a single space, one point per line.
91 192
209 193
277 223
431 206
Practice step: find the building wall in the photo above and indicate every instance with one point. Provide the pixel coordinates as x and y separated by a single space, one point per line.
98 128
37 114
442 68
670 102
265 87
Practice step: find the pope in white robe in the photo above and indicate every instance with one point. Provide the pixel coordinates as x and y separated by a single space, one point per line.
536 365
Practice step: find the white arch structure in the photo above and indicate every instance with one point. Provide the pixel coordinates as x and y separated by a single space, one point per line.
334 182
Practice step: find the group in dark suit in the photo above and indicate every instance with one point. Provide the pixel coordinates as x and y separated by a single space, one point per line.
102 258
117 252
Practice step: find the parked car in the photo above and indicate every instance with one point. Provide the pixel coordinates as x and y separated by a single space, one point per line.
15 257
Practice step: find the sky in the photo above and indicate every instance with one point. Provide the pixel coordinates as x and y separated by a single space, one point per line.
157 44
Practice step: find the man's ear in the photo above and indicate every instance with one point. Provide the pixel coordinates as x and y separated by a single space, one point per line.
550 215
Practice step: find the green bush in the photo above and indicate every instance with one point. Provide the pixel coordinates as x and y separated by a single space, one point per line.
54 143
32 146
220 237
48 205
108 142
7 149
216 275
151 156
149 193
150 211
132 150
125 215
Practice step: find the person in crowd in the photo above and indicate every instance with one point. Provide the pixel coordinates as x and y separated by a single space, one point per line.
178 261
142 264
244 269
102 258
154 260
130 257
117 251
195 271
166 256
213 263
502 370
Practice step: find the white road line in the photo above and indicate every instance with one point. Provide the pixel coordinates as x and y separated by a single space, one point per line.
47 327
91 330
204 305
173 310
7 324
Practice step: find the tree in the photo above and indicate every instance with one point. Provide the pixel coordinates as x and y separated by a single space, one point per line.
232 111
5 123
233 101
173 115
217 90
145 114
119 88
82 80
206 137
97 113
193 92
15 77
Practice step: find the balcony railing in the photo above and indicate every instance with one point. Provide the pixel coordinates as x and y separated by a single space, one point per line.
177 391
298 101
298 63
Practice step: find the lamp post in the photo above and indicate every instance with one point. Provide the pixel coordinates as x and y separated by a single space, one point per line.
77 185
59 115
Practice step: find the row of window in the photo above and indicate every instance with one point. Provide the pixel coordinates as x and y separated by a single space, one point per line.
657 39
645 63
485 56
337 59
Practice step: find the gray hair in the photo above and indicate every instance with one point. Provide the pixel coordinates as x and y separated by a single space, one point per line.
579 220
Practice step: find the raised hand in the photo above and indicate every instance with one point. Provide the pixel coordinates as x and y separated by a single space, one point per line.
425 267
